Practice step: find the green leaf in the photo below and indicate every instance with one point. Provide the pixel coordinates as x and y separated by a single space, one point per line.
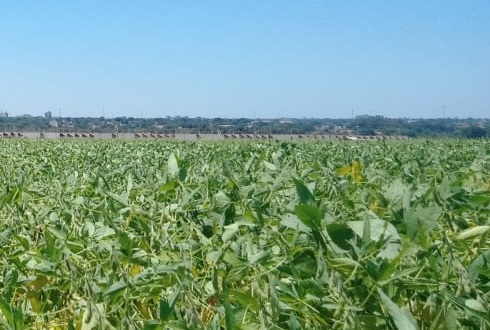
102 231
14 316
165 311
115 289
421 218
122 199
451 321
78 200
126 244
304 194
257 257
152 325
270 166
229 314
398 194
341 234
379 229
366 232
403 319
231 258
367 321
480 266
293 322
245 300
221 199
310 215
304 264
168 186
59 234
23 241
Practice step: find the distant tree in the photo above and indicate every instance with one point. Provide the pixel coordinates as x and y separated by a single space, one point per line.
474 132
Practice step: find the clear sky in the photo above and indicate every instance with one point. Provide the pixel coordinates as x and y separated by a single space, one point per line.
246 58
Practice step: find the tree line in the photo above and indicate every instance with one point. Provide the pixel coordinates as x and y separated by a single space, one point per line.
360 125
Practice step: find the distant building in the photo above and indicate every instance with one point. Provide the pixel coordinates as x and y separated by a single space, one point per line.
4 114
48 115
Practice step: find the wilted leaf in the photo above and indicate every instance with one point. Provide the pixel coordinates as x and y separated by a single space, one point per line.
212 256
172 165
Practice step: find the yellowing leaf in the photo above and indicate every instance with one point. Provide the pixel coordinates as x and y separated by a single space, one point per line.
207 315
35 300
344 170
377 207
354 170
134 269
38 283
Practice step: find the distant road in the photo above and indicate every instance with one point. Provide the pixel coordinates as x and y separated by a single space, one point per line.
195 137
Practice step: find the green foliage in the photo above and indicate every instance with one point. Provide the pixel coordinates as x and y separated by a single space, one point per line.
244 235
363 125
474 132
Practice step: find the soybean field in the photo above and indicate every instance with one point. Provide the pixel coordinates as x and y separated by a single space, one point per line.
320 234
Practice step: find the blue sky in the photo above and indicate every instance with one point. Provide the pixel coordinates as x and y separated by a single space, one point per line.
248 58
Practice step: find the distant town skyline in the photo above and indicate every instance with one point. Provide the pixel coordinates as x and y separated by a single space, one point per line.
246 59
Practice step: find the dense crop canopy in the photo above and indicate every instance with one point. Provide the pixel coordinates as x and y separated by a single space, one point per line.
245 235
